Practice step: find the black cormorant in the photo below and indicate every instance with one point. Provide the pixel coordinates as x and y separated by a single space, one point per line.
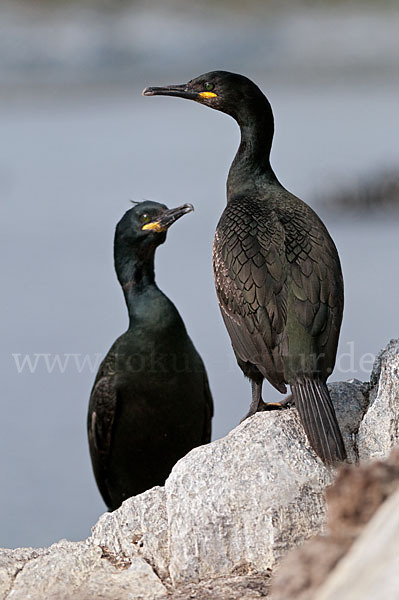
150 403
277 272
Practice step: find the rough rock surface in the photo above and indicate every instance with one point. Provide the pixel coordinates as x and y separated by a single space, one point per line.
268 487
80 570
12 562
138 527
379 429
227 514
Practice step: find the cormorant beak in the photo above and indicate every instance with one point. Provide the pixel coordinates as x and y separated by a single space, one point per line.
181 91
171 90
166 219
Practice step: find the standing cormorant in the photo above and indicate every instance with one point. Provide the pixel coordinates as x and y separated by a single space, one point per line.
277 273
150 403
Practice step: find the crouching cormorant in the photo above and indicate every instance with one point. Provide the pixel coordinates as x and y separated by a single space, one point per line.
277 272
150 403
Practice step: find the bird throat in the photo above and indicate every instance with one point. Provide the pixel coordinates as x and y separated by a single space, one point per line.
136 277
252 161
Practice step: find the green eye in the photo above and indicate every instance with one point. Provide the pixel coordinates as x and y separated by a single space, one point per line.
209 86
145 218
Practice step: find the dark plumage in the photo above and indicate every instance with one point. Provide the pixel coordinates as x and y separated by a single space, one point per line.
277 272
150 403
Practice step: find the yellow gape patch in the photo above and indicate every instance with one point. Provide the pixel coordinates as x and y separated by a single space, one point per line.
207 95
154 226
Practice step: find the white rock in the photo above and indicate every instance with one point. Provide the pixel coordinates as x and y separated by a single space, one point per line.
137 582
12 562
379 430
242 501
138 528
78 570
64 566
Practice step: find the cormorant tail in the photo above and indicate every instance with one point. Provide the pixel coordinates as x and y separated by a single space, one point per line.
317 414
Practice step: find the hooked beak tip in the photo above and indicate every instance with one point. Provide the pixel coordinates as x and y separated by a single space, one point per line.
188 208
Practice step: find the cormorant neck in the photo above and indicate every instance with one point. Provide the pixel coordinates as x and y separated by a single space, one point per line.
252 160
135 272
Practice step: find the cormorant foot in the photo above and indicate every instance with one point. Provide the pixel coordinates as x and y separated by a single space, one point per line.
266 406
270 406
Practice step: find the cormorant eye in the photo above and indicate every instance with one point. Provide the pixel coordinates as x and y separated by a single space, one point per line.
209 86
145 218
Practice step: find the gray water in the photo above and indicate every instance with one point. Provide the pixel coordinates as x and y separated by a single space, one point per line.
69 165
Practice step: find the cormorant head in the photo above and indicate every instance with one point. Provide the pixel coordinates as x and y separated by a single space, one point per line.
230 93
145 225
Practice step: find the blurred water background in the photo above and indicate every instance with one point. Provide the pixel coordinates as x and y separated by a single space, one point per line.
78 141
